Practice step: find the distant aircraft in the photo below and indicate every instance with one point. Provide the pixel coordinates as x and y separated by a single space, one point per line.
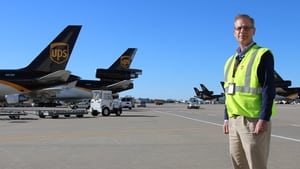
279 82
116 78
283 89
206 94
46 70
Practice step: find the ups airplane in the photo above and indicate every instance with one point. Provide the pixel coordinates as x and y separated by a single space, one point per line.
206 94
46 70
118 77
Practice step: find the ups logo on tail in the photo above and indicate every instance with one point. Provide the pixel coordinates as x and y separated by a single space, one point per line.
125 61
59 52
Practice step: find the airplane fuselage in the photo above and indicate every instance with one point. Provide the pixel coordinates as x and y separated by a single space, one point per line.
20 81
83 89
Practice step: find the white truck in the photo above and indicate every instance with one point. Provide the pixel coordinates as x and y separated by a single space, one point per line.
193 103
127 102
103 102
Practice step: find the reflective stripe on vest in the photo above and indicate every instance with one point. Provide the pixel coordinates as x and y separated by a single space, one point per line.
246 88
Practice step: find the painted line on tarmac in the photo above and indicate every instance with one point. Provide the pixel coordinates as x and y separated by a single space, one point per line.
189 118
295 125
216 124
286 138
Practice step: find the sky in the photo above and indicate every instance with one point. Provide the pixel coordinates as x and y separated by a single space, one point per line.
181 43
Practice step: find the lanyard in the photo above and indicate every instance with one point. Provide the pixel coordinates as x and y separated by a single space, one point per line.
236 64
240 56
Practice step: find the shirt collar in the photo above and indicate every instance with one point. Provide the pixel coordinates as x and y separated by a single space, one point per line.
240 54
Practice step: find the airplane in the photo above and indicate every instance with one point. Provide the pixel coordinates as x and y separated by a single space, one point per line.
117 78
46 70
279 82
205 94
283 88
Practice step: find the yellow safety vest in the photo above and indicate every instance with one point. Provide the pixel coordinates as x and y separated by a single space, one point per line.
247 98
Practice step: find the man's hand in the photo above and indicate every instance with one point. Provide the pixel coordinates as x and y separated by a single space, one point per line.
225 127
261 126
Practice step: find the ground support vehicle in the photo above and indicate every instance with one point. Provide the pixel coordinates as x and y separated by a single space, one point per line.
193 103
55 112
193 106
42 112
103 102
128 102
142 104
12 113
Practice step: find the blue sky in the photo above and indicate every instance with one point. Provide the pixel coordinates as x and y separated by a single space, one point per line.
180 43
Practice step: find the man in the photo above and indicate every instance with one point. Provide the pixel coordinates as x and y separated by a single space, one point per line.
249 91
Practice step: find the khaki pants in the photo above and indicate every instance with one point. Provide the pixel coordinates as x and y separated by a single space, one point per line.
248 150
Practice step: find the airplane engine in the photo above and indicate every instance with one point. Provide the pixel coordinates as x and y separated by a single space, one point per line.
16 98
117 74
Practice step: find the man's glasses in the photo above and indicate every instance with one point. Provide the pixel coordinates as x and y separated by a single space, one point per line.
246 28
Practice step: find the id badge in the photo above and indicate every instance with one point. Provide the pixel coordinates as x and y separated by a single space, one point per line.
231 88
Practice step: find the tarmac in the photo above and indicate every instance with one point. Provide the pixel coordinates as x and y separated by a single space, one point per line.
167 136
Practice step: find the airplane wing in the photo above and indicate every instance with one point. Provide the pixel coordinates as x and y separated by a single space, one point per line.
60 75
60 87
120 86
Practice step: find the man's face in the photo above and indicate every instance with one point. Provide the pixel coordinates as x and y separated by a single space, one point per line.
243 31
